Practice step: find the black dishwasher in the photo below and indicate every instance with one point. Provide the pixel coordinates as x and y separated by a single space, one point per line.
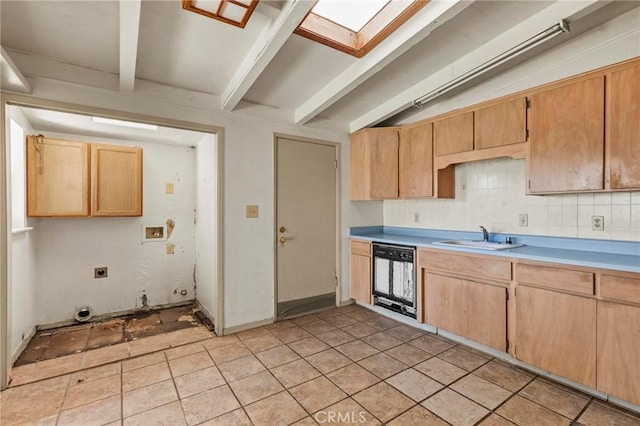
394 278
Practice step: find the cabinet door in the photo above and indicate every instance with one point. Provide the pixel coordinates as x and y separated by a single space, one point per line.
624 128
619 350
484 317
117 180
453 134
557 332
361 277
501 124
416 161
567 138
359 183
383 171
443 302
57 177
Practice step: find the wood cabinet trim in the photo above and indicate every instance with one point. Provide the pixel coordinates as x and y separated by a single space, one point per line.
620 289
473 265
556 278
362 248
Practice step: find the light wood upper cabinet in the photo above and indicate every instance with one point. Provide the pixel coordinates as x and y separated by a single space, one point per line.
57 177
453 134
117 180
361 271
416 161
567 138
374 164
501 124
623 125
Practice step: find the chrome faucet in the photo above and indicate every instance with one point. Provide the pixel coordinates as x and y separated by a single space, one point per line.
485 234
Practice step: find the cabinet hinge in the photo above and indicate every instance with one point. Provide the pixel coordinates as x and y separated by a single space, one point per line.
529 183
528 103
335 281
526 134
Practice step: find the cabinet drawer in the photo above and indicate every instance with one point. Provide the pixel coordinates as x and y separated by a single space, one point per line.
620 288
360 247
469 265
555 278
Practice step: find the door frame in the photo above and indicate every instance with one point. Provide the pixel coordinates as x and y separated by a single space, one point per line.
338 260
7 99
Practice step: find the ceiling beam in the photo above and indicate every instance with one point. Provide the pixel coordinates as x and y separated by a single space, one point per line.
12 78
430 17
129 31
505 41
269 42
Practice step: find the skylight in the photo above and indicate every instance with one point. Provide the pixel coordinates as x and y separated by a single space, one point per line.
351 14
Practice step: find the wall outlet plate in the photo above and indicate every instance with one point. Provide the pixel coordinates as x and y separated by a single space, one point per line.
523 220
597 223
101 272
251 211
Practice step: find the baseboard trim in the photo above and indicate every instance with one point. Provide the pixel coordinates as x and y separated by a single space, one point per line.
23 344
247 326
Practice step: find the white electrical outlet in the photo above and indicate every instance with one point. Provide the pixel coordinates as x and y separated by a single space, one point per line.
523 220
597 223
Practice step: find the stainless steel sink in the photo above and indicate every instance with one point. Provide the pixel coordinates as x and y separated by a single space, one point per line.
479 244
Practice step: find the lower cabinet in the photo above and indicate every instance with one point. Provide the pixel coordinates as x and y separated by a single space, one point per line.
474 310
361 271
619 350
557 332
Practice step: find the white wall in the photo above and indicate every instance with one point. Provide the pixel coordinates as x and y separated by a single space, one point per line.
22 291
206 224
68 249
492 193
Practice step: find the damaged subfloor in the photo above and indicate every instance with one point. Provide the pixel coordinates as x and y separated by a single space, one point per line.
61 341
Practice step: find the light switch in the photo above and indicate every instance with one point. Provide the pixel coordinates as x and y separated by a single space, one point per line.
168 188
252 211
170 248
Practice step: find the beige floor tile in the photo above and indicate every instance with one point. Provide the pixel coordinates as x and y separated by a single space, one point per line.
208 405
28 408
145 376
277 356
553 397
105 355
382 365
440 370
291 334
148 397
455 408
601 414
381 341
318 327
405 332
229 352
328 313
340 321
431 344
294 373
280 325
95 413
166 415
363 315
305 319
308 346
241 368
505 375
307 421
253 332
190 363
32 390
360 330
148 344
382 323
47 369
496 420
143 361
408 354
345 412
415 385
481 391
262 343
356 350
96 373
335 337
235 418
383 401
328 360
352 378
51 420
317 394
188 335
198 381
463 358
279 409
92 391
216 342
184 350
256 387
418 416
526 413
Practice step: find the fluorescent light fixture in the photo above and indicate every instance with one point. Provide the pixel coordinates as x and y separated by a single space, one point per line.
122 123
546 35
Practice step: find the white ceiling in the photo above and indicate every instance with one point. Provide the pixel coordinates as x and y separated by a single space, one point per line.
264 63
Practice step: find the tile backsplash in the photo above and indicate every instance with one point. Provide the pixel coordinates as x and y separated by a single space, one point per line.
492 193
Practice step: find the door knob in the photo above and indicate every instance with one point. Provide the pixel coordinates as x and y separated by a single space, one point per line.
283 240
283 229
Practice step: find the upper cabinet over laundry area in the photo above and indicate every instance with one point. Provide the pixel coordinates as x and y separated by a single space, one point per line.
581 134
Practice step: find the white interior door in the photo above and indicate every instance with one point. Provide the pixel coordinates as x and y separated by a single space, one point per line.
306 226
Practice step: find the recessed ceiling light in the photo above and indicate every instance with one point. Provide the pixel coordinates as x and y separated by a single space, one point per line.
123 123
